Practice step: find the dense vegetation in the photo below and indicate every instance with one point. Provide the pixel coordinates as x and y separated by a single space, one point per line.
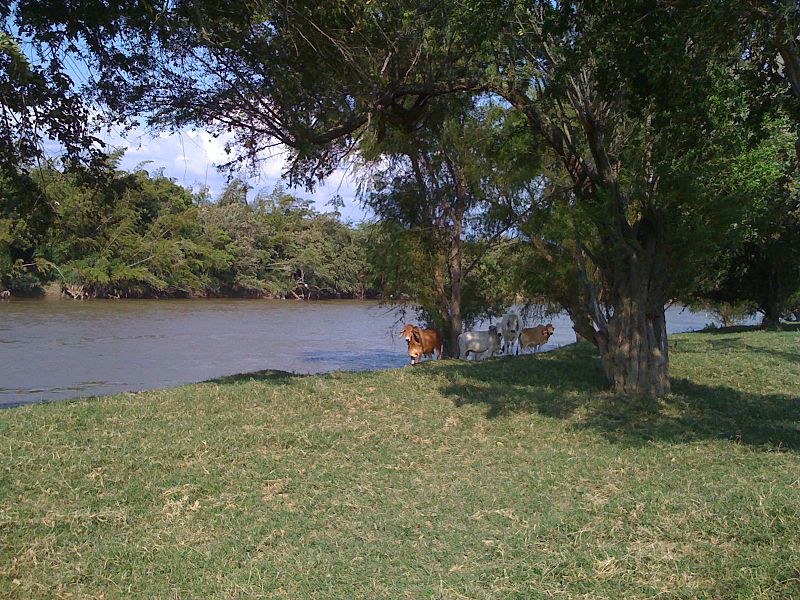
136 235
518 477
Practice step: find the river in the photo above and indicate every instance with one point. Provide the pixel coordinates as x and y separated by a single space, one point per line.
54 349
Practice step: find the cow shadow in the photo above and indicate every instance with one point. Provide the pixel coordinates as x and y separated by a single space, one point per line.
570 386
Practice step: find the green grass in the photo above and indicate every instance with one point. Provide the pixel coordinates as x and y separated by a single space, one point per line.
513 478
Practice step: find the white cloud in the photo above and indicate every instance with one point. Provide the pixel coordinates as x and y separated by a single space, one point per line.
191 159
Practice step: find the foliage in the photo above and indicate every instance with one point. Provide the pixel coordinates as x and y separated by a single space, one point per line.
280 246
403 264
441 193
24 219
129 235
137 235
37 104
725 314
757 260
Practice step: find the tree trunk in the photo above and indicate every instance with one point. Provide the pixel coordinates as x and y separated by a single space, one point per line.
456 283
622 312
634 351
632 343
456 327
773 308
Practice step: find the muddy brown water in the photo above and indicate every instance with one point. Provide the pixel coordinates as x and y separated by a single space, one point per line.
54 349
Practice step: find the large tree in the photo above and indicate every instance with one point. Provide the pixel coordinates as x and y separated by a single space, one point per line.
614 89
757 261
436 189
38 105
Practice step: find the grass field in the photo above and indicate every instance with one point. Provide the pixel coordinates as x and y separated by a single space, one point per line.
513 478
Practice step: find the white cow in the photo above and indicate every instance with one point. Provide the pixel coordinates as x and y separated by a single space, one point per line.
483 344
510 328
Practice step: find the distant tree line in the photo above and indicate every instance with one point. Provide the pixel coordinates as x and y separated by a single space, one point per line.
134 235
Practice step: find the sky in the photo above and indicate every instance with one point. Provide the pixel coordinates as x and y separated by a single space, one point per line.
191 159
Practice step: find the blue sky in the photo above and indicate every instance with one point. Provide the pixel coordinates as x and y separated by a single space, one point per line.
191 159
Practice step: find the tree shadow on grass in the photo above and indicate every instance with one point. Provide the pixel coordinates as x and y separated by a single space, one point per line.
737 343
788 356
555 385
266 376
570 385
747 328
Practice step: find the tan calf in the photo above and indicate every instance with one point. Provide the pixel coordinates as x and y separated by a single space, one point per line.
534 337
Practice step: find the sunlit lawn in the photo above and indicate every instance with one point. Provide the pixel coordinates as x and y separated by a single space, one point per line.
514 478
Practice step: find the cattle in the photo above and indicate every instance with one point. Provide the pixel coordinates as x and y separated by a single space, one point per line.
5 295
510 327
422 342
534 337
483 344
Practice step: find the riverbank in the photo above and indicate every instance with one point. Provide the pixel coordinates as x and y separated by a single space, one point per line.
55 290
518 476
56 349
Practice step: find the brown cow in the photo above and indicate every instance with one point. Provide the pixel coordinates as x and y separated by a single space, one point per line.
533 337
422 342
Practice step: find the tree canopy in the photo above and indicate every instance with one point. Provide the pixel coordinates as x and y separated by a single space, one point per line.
132 234
620 100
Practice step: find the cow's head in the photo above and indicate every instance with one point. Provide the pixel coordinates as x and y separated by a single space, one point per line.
407 331
415 346
513 322
548 331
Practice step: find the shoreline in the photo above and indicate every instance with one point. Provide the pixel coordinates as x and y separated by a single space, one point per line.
57 349
65 297
257 374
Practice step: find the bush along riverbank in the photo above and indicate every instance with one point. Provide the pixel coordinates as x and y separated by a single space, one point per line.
137 235
514 477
